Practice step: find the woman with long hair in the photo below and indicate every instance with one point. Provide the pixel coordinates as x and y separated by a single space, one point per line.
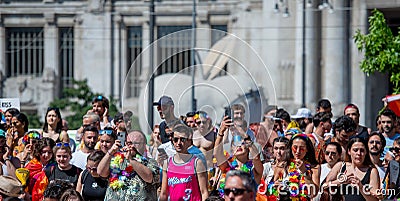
245 155
43 157
52 127
300 176
353 175
280 157
155 141
19 126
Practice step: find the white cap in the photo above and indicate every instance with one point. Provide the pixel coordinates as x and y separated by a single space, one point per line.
302 113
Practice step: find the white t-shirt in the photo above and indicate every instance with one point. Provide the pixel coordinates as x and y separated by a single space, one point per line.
325 169
79 159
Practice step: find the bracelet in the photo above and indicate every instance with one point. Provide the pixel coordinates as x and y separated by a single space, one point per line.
109 153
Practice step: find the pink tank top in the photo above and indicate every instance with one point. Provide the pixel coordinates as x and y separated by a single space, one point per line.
182 181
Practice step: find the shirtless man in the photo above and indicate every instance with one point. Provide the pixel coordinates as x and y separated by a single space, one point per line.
205 135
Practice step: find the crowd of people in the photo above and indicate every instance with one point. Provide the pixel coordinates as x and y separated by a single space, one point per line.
191 157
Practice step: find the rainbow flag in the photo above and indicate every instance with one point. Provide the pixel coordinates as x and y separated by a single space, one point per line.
394 103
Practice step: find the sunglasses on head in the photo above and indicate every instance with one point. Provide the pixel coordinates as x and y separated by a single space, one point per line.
182 139
107 132
98 98
395 149
60 144
235 191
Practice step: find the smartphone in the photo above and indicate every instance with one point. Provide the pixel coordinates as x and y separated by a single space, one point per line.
161 151
228 112
121 136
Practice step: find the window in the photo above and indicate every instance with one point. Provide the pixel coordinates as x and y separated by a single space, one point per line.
174 50
24 51
66 47
135 47
215 37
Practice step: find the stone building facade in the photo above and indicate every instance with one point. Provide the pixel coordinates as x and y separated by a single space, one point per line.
44 44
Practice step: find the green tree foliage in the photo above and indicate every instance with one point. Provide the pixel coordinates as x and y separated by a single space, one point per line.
381 49
76 101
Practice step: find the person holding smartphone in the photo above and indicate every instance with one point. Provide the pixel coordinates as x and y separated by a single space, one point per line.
132 175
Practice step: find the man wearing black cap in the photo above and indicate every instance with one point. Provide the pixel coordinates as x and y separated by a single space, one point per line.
165 107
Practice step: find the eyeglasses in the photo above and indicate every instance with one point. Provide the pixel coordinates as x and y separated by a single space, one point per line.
374 142
235 191
182 139
60 144
395 149
327 153
107 132
94 169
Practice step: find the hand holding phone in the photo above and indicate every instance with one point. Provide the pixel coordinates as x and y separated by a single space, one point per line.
228 112
121 136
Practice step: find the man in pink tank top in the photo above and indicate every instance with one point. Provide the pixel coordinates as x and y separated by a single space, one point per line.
184 175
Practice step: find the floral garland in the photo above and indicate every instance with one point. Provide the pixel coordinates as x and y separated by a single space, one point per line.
121 172
233 165
296 184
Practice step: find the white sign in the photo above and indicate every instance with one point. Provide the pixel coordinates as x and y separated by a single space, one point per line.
6 103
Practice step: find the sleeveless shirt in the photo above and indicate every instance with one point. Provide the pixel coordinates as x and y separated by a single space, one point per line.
182 180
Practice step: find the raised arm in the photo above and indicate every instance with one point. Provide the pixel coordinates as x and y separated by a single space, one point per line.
104 166
219 147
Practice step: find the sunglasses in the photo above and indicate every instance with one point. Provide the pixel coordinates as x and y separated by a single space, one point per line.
235 191
395 149
60 144
182 139
327 153
94 169
14 123
201 122
375 142
107 132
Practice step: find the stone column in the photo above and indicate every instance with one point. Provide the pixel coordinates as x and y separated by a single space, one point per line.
313 55
3 69
333 59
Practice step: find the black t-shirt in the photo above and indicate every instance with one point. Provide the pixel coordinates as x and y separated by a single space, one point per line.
94 188
71 175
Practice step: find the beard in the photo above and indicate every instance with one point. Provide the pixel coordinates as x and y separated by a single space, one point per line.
89 145
374 153
387 129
